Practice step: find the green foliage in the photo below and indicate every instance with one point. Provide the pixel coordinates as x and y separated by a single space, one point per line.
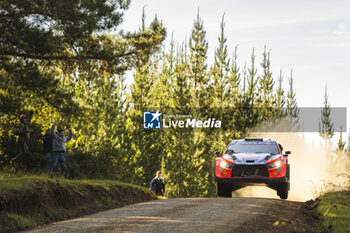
146 151
220 83
326 129
197 61
58 58
266 86
341 143
334 208
292 107
250 104
71 70
220 70
200 182
280 97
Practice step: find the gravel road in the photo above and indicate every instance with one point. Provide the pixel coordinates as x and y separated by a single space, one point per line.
183 215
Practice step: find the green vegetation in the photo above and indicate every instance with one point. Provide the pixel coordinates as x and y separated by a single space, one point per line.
326 128
334 208
72 70
30 201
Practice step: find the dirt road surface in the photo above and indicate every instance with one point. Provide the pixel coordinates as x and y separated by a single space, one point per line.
186 215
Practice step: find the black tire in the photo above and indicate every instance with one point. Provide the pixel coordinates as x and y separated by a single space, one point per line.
223 190
282 190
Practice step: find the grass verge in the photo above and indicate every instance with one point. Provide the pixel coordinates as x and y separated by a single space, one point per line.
334 208
30 201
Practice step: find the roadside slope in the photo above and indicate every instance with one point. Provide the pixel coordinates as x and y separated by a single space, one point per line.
29 201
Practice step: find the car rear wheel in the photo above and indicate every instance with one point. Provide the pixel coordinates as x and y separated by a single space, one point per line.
282 190
223 190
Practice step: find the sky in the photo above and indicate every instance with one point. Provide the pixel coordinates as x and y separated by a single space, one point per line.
311 37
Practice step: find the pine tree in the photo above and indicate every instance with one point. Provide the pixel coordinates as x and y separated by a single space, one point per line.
198 55
245 78
266 85
292 107
341 143
162 99
235 78
326 129
201 183
252 80
280 98
220 76
221 68
147 149
292 110
235 99
250 99
179 151
241 107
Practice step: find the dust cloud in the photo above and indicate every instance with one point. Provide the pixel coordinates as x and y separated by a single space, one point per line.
314 167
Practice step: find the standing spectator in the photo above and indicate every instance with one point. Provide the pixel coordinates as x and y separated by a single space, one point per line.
58 147
47 148
23 133
158 184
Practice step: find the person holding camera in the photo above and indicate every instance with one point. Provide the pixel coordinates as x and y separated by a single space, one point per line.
58 147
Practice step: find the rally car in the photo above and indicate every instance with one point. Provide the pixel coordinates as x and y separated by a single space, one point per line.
252 161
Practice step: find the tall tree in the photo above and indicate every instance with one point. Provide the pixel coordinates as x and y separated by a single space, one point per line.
266 87
280 97
147 150
252 81
220 76
235 99
221 68
198 54
234 78
326 128
248 107
202 155
180 147
292 107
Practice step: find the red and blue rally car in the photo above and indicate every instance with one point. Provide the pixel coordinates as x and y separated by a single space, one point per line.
252 161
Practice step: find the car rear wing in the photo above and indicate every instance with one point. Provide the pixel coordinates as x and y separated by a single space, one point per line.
253 139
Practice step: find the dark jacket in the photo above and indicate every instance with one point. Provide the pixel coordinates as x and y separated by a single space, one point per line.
58 142
22 130
158 186
47 143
